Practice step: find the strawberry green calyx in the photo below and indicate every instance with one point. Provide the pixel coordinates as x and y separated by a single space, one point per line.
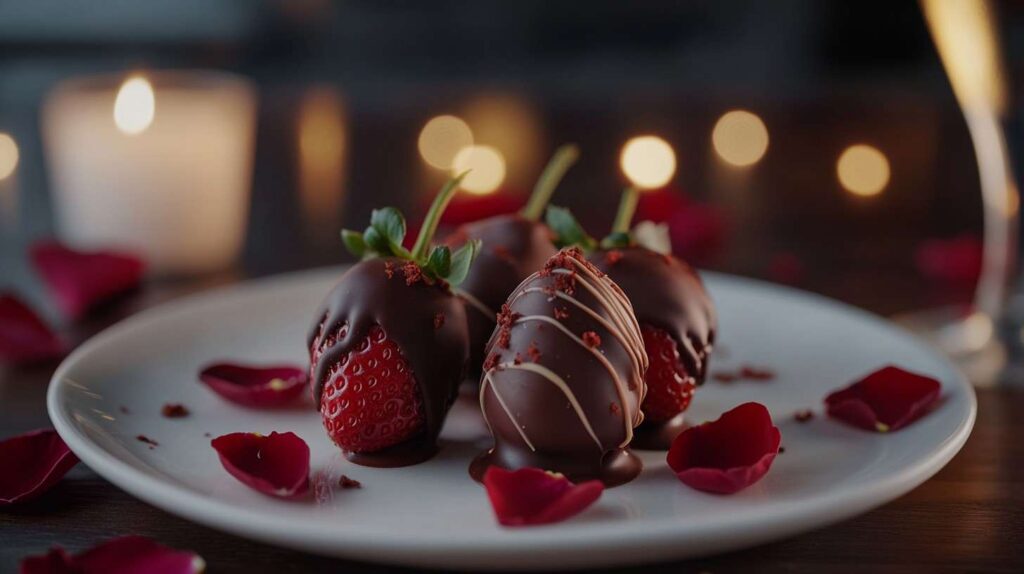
548 181
386 233
620 235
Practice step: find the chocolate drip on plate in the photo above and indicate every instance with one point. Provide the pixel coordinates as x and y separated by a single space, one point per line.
377 292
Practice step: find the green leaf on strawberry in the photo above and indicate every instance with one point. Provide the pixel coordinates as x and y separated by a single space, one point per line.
386 233
567 230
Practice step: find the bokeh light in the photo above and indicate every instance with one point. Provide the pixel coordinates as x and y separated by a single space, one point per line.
486 165
648 161
135 105
442 138
510 123
8 156
740 138
863 170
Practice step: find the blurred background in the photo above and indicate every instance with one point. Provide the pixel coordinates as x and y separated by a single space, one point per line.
812 143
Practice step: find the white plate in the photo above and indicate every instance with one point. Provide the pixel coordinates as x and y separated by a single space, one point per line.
433 514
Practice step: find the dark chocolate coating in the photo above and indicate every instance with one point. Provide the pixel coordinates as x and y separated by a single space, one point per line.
375 292
668 294
533 419
513 248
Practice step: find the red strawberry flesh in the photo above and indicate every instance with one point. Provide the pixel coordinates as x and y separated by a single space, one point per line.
371 400
669 387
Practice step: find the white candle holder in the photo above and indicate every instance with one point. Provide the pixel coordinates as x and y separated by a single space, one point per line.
168 175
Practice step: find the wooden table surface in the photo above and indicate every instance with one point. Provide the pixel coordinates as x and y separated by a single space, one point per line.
969 517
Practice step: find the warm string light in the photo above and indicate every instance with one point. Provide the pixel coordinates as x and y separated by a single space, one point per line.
648 161
740 138
134 106
442 138
863 170
486 168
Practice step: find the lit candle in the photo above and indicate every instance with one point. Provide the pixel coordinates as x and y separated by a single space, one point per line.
158 163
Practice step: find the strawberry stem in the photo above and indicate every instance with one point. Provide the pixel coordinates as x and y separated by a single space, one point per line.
433 218
627 207
549 179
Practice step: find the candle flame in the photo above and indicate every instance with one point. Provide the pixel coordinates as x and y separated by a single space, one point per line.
135 106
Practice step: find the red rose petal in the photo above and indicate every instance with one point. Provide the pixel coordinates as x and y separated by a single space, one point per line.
124 555
531 496
24 337
81 280
258 387
276 465
31 464
729 454
886 400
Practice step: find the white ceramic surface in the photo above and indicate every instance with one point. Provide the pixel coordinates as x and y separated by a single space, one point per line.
433 514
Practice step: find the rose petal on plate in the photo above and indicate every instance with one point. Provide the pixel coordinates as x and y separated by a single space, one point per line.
32 463
24 337
531 496
886 400
123 555
80 280
276 465
258 387
729 454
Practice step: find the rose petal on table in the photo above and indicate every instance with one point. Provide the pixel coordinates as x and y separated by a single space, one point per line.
531 496
257 387
24 337
124 555
886 400
729 454
955 260
31 464
80 280
276 465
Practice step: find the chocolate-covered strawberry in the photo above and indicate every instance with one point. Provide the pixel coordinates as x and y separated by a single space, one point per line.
676 315
564 377
389 346
514 246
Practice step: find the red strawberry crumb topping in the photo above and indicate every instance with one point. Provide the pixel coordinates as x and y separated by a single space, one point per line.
612 257
613 408
561 313
518 360
389 269
534 352
591 339
347 483
145 439
412 273
491 361
174 411
438 320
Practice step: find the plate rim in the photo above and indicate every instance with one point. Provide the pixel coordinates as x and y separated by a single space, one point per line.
437 549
